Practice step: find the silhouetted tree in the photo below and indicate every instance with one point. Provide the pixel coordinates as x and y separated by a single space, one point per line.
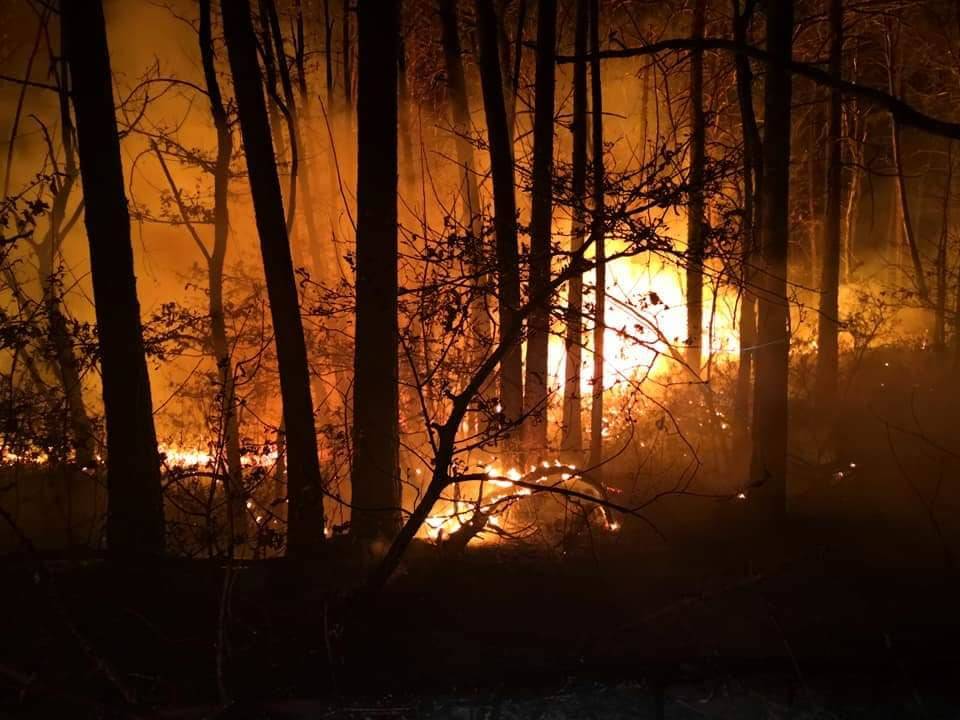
695 207
304 487
505 206
375 473
829 325
752 171
597 231
572 438
541 230
135 523
769 462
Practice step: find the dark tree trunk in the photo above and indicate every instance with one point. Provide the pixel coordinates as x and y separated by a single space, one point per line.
376 475
940 324
695 208
752 174
219 342
460 107
597 230
347 55
65 362
541 231
505 207
897 150
770 413
829 320
300 165
304 487
270 75
572 440
135 505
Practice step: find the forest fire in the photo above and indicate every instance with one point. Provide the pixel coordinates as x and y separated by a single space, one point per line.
479 358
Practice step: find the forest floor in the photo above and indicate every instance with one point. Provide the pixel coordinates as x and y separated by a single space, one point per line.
852 611
830 624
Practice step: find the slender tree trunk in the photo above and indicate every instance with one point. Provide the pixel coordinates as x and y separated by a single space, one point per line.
829 322
572 442
770 413
538 323
300 161
816 185
857 132
505 207
403 114
236 493
304 487
135 523
752 175
695 209
460 108
597 230
65 362
270 75
897 149
376 475
347 56
940 325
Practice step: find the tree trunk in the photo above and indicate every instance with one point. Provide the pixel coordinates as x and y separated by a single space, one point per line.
236 494
752 176
597 230
505 207
940 325
829 322
376 475
770 413
897 150
65 362
541 230
135 525
300 160
347 56
695 208
460 107
304 487
572 440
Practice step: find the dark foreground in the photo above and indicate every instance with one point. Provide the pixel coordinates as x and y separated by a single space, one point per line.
832 624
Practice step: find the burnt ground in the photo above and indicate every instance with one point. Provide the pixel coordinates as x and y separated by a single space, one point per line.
835 620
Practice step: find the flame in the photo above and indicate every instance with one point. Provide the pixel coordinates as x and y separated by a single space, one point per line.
646 323
496 498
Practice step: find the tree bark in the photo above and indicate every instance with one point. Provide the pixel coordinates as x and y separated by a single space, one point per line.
541 231
65 362
236 494
304 487
135 525
376 475
897 149
505 207
597 230
460 109
572 438
752 175
770 413
829 321
940 324
695 208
